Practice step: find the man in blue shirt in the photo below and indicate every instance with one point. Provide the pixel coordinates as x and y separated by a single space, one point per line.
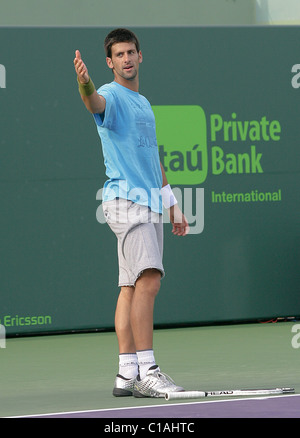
132 203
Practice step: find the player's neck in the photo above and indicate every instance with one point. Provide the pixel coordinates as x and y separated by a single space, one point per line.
133 85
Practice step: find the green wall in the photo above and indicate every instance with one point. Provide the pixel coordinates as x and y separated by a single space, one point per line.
238 102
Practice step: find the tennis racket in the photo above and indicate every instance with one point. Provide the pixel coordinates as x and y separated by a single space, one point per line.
227 393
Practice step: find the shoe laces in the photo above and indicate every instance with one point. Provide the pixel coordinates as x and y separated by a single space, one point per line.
164 377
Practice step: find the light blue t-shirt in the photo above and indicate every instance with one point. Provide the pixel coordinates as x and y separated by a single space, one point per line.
128 137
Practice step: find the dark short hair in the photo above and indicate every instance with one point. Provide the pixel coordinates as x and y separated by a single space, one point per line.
120 35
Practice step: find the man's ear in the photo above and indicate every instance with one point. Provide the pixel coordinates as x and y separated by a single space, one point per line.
109 63
140 57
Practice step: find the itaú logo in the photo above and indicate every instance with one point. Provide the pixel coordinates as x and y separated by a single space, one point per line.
235 145
182 141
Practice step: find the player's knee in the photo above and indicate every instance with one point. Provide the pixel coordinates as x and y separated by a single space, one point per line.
150 281
154 285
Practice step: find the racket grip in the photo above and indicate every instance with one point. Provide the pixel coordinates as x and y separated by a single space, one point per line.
184 394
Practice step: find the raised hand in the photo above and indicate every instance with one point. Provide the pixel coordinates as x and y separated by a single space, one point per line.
80 68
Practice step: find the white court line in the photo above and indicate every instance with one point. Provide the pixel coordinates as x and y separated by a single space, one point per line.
258 398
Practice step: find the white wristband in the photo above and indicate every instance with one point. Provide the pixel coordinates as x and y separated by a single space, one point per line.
168 197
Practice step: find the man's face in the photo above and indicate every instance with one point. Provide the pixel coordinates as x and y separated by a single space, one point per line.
124 61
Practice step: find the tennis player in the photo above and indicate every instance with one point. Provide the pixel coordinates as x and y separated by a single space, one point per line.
132 203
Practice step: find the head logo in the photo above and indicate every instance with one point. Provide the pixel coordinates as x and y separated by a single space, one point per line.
182 141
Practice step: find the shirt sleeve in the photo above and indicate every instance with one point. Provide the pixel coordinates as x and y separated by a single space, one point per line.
106 119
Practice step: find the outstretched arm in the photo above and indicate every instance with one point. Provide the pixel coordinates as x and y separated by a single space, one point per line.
177 218
93 102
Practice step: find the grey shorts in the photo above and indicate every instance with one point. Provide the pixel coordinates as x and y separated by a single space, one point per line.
140 238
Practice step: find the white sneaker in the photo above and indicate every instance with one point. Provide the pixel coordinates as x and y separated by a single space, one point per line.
155 384
123 387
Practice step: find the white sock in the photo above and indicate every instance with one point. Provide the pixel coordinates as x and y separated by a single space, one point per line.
145 361
128 365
